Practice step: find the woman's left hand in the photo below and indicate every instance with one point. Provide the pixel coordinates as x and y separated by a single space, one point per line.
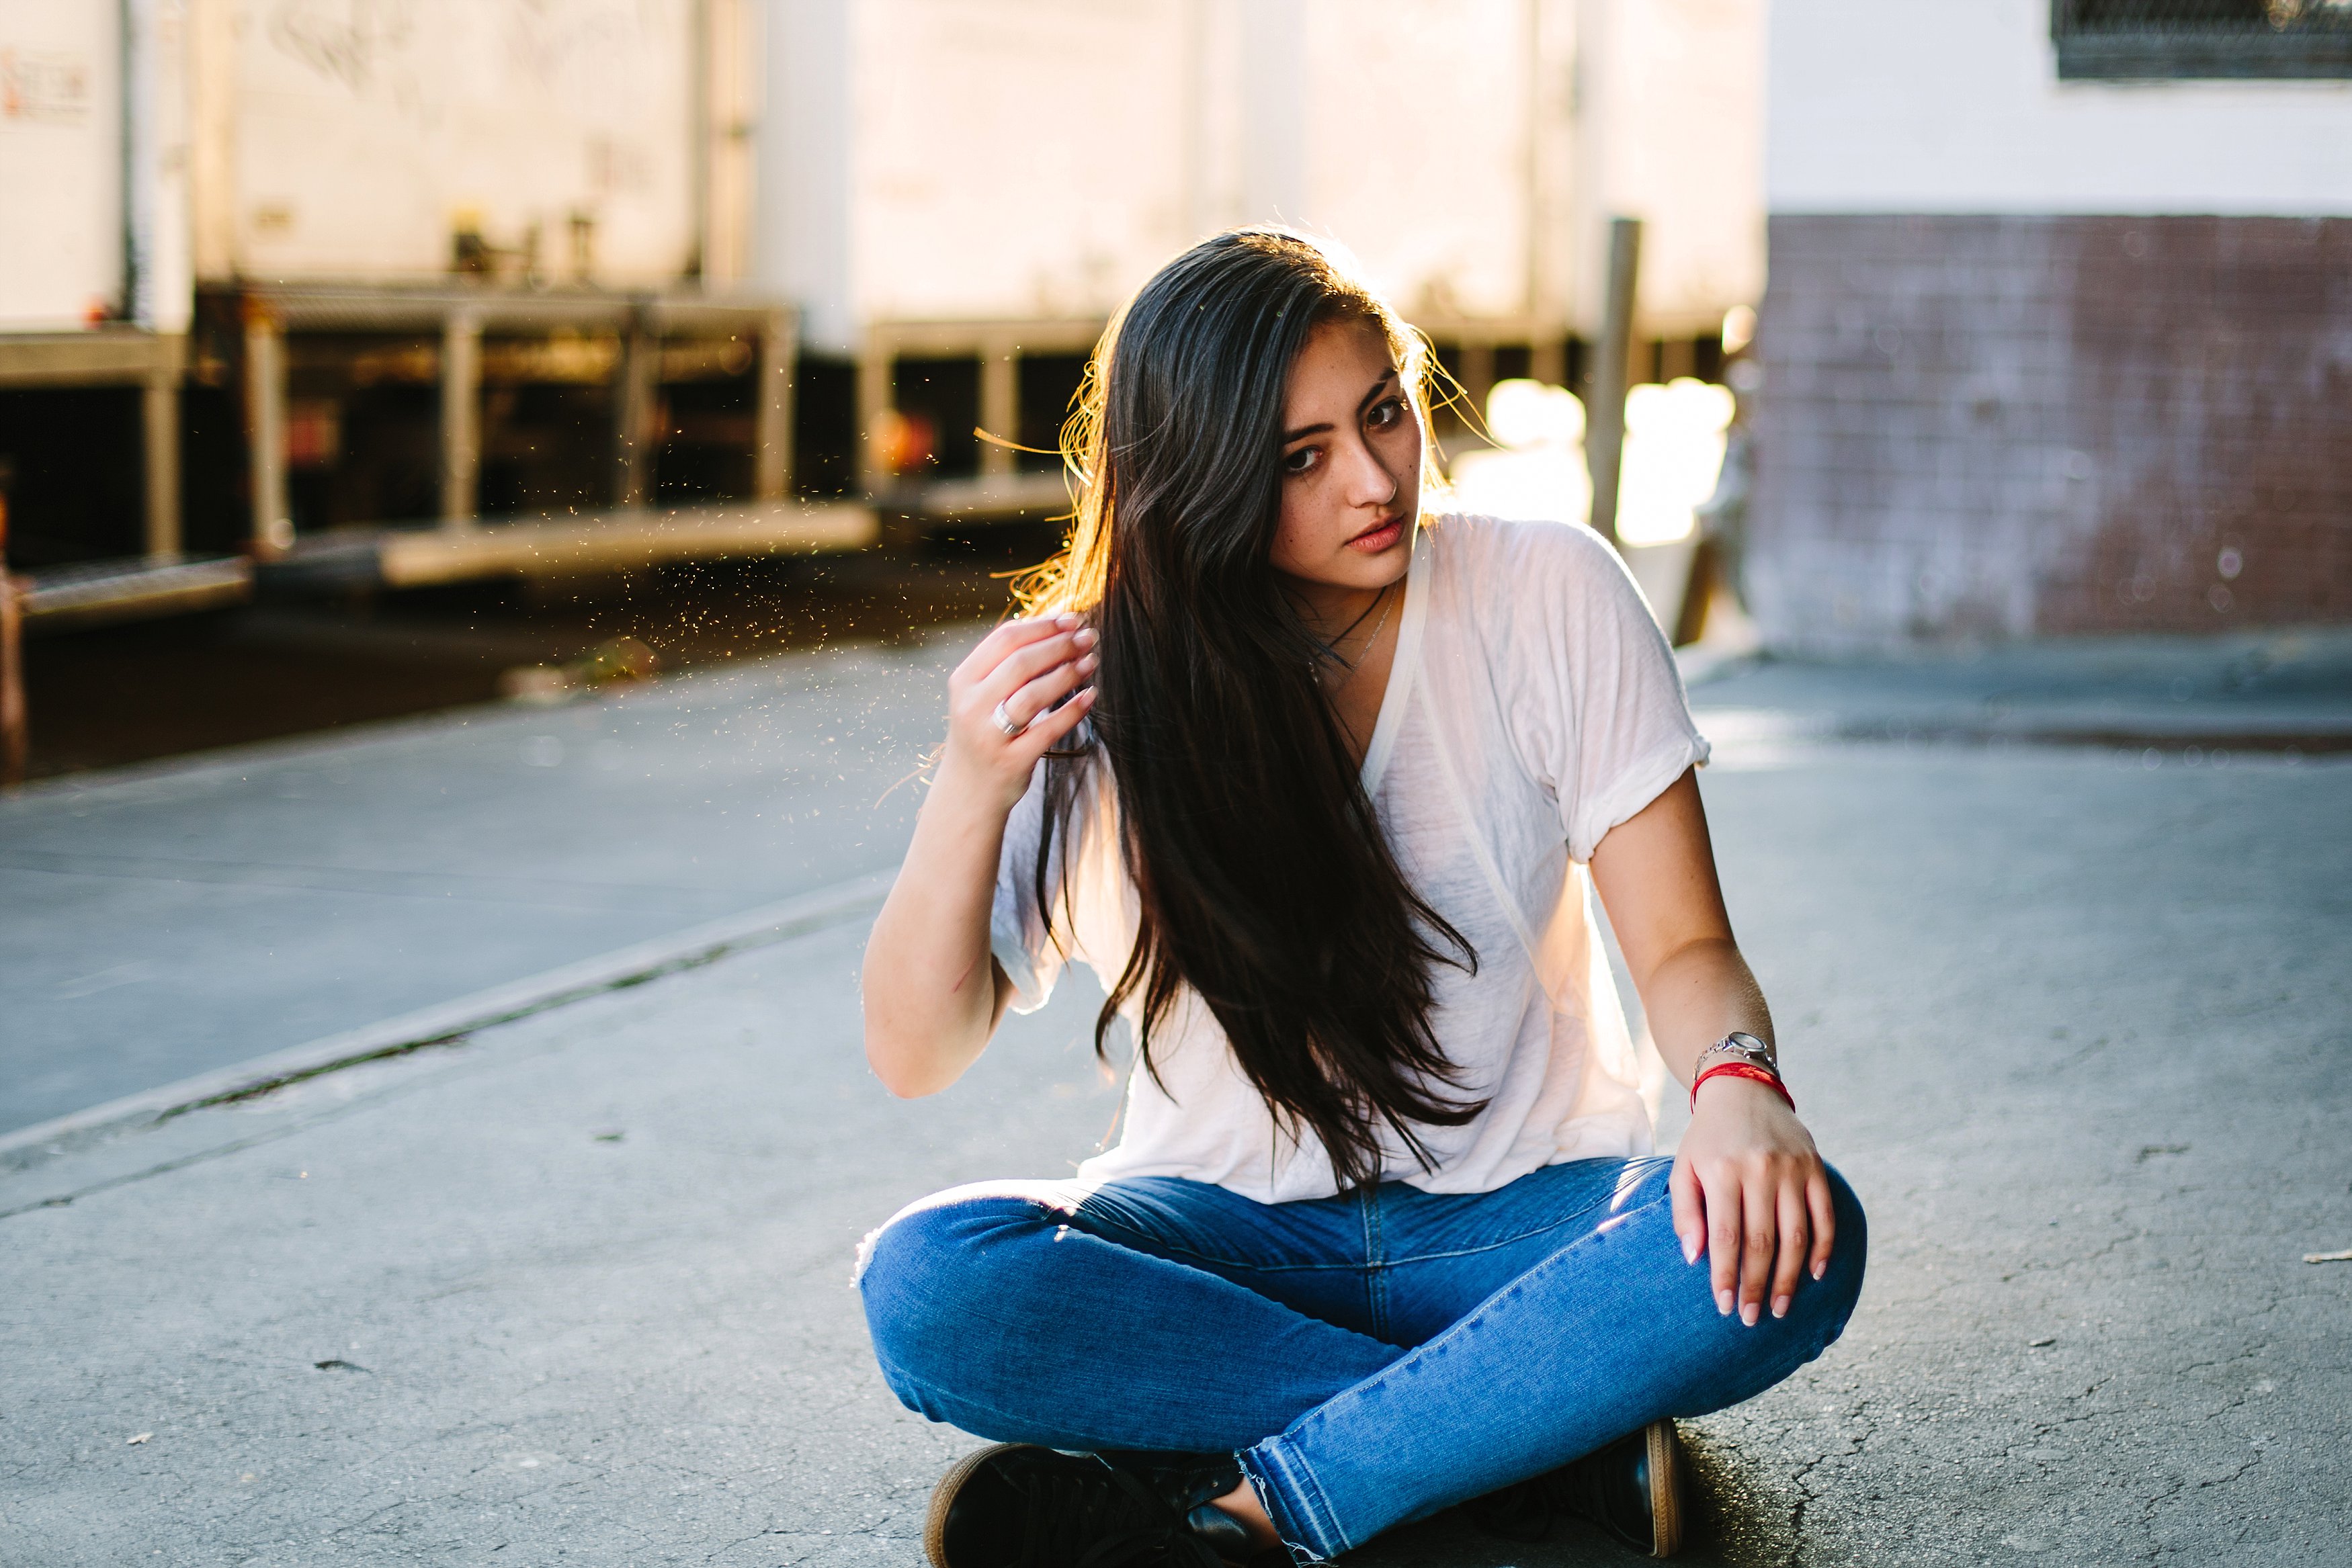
1751 1192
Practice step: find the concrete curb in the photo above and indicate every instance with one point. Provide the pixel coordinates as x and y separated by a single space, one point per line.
448 1021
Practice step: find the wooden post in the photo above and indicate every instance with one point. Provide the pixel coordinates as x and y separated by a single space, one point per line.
874 399
1477 379
159 411
1547 362
461 418
1604 413
725 180
772 463
1000 407
265 425
14 732
633 412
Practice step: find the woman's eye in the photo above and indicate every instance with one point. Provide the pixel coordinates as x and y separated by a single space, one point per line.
1301 461
1384 414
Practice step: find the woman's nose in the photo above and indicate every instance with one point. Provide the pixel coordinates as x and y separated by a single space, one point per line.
1369 482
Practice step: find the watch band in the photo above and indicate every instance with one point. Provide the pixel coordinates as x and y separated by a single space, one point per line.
1738 1046
1742 1069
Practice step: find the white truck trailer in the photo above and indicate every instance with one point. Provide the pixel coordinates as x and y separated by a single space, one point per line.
430 260
399 240
958 192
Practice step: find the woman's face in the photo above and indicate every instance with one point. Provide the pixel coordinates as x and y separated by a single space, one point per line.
1351 462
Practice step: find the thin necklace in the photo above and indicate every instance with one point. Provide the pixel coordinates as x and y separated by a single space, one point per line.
1331 649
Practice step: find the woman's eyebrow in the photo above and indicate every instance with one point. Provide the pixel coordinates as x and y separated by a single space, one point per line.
1303 431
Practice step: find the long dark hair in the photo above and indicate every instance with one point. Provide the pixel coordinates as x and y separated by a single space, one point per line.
1265 886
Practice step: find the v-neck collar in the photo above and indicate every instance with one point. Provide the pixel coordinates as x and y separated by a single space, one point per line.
1404 665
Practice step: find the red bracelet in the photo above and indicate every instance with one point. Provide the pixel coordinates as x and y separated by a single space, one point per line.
1742 1069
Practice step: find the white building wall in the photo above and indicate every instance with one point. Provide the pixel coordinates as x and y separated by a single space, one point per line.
61 213
1260 45
1954 106
1419 156
162 294
1669 114
1014 158
363 135
994 159
802 216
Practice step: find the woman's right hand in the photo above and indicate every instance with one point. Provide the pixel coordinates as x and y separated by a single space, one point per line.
1028 666
932 993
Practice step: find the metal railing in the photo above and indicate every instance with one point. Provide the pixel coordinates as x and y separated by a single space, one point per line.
460 316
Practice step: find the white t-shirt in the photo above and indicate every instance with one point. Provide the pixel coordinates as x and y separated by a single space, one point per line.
1532 705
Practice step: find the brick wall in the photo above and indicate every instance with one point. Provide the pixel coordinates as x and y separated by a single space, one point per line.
1990 427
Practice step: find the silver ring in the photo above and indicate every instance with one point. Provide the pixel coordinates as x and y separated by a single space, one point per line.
1005 721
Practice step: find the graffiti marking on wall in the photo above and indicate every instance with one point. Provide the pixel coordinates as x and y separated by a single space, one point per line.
43 87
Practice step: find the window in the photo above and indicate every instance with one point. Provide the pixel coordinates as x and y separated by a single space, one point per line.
2125 39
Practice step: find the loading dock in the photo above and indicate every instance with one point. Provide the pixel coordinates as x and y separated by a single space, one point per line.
1002 487
629 530
162 580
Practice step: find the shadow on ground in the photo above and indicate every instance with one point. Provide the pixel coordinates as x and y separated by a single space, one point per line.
1735 1521
118 695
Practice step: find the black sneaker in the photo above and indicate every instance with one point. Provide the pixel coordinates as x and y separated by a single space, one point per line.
1016 1506
1632 1488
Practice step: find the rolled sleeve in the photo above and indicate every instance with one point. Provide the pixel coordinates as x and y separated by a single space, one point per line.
1635 787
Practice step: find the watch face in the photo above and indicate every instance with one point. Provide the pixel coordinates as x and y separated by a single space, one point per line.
1749 1048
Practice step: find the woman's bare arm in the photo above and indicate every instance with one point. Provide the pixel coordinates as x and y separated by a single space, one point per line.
933 996
1749 1190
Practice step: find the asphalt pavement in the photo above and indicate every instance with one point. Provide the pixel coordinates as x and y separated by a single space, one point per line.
2287 691
167 920
575 1288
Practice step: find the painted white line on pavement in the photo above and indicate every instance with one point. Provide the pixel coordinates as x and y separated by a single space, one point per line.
448 1021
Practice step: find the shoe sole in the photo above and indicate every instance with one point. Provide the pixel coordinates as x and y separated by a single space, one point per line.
943 1496
1665 1490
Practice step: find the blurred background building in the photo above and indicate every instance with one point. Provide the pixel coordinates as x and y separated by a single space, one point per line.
958 192
2059 333
302 296
361 293
372 264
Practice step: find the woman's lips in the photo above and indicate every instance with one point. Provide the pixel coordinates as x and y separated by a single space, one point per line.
1379 537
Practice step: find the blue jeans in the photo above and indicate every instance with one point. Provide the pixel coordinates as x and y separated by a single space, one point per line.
1372 1357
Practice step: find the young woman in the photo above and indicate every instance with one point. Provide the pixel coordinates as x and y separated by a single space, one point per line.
1315 784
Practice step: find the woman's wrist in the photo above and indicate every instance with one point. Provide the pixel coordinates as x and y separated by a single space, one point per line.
1763 1080
968 791
1740 1045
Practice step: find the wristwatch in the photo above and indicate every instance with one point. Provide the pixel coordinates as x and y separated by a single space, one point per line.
1738 1046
